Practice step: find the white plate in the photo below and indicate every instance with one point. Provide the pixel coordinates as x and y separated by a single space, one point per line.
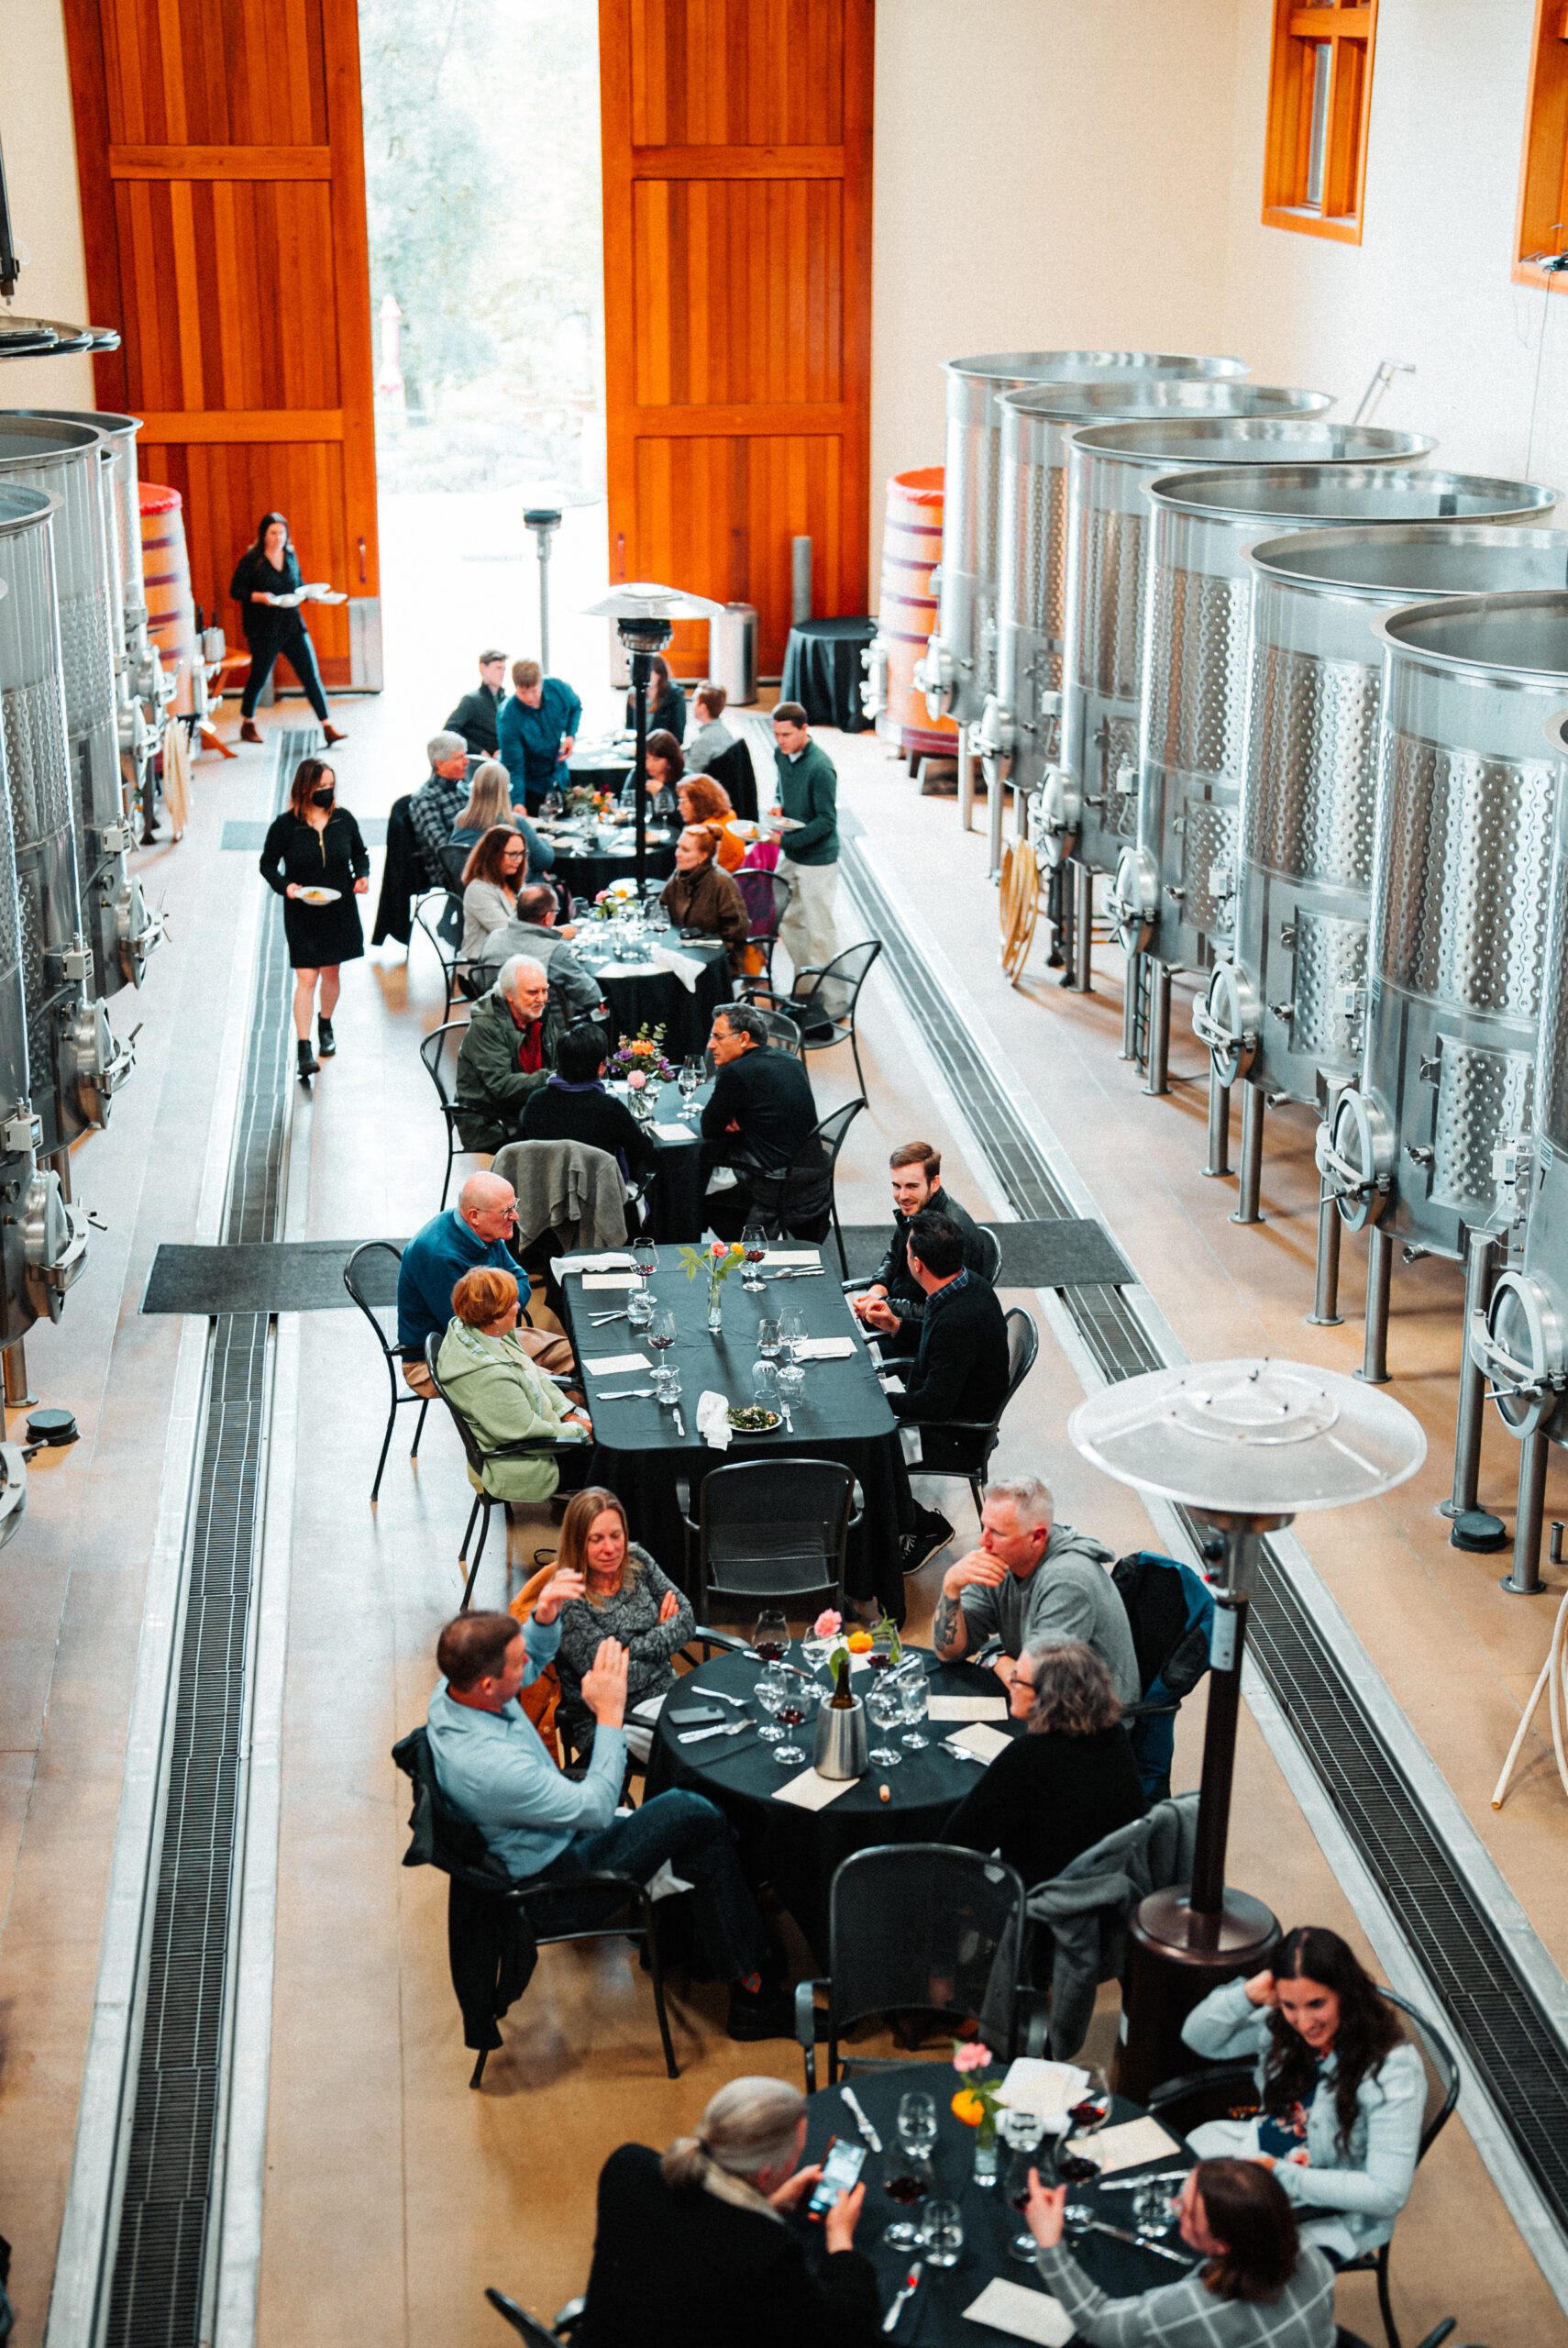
319 896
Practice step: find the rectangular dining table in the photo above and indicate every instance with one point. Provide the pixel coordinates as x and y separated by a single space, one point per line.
843 1413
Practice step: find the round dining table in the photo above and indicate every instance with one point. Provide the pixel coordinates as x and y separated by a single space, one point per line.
937 2315
799 1851
651 994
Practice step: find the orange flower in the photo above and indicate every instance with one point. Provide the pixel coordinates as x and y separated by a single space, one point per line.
643 1048
859 1643
966 2106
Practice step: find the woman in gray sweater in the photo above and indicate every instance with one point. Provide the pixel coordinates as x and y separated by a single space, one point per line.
627 1598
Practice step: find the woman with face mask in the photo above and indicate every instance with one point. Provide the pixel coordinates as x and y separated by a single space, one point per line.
317 863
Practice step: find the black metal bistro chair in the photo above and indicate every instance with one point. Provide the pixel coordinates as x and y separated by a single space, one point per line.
439 916
356 1274
770 1530
783 1033
801 1202
477 1459
836 983
972 1441
537 2334
917 1927
764 896
433 1052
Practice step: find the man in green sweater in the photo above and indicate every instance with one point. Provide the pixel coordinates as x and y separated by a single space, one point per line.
807 796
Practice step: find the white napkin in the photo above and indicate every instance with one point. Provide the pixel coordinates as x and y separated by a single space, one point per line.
651 1707
984 1743
676 1132
808 1792
680 966
713 1420
612 1365
1028 2315
825 1349
619 969
967 1707
791 1256
1032 2084
1128 2146
609 1279
613 1260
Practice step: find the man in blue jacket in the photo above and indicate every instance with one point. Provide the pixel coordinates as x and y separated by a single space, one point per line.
456 1241
534 733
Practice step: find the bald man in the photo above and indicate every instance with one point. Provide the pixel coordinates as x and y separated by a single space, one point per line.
474 1232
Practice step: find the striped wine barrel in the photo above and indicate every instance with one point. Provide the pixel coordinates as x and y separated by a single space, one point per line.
911 549
170 606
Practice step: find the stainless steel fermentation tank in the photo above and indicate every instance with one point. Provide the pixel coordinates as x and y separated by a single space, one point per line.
74 1058
71 461
960 665
42 1240
1518 1345
1424 1146
1283 1012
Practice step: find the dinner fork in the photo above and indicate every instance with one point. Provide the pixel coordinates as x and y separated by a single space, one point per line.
629 1394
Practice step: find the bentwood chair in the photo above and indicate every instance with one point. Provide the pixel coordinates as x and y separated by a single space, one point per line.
477 1457
432 1052
367 1259
1216 2087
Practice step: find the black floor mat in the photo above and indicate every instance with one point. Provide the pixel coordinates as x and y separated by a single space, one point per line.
1063 1252
264 1276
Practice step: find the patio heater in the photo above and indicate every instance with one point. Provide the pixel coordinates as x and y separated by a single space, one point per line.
1244 1446
544 521
644 617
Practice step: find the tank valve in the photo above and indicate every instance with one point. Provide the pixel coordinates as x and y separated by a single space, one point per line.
997 735
1285 1011
1419 1153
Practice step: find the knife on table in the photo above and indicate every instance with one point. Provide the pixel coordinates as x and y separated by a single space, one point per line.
911 2285
730 1728
873 2142
679 1424
1139 2241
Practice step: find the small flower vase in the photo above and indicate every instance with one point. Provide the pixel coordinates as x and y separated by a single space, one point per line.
715 1308
985 2151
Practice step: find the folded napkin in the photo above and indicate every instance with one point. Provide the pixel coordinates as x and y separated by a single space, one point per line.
1034 2084
1128 2146
614 1365
984 1743
968 1708
713 1419
613 1260
791 1256
680 965
808 1792
825 1349
618 969
675 1133
1028 2315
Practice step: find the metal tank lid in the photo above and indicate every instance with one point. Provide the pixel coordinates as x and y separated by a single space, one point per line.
1065 366
1523 635
1416 558
1180 442
34 439
95 419
1251 1437
1367 494
1135 395
21 508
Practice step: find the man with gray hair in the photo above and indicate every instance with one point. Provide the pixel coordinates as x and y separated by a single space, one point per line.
508 1052
435 807
1033 1582
532 931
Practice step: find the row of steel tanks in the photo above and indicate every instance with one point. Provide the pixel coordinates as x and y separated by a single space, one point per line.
81 710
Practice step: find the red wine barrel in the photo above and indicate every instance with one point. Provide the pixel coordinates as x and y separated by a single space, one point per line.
171 605
911 549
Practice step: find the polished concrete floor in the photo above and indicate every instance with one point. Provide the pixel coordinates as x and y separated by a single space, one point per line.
394 2194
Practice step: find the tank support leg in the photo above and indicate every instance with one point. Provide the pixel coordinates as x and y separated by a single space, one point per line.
1523 1578
966 781
1480 1273
1373 1370
1219 1126
1250 1184
1131 986
996 816
1083 929
1325 1312
1158 1078
16 1395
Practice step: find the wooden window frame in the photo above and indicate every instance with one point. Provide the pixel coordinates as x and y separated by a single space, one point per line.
1350 30
1543 165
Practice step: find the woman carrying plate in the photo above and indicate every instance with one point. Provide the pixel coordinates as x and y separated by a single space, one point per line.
317 862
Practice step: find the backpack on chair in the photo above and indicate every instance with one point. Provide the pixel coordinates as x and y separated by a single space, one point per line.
1170 1611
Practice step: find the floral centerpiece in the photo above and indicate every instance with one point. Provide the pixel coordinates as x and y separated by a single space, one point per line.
583 799
639 1062
615 900
977 2103
718 1261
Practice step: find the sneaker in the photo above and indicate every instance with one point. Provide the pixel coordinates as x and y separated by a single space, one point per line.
326 1044
931 1532
309 1064
769 2013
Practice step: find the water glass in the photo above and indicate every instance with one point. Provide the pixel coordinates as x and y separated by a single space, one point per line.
942 2233
764 1385
1020 2132
917 2122
1153 2211
768 1340
791 1384
770 1692
884 1709
915 1691
690 1079
641 1304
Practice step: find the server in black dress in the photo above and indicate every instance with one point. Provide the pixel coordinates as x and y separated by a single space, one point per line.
703 2246
760 1112
265 570
315 845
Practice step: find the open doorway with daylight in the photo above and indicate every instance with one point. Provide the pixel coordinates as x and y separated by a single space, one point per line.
483 193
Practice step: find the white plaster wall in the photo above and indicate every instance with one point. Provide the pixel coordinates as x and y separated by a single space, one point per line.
37 133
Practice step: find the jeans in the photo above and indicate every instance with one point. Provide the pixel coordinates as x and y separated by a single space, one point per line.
299 654
692 1833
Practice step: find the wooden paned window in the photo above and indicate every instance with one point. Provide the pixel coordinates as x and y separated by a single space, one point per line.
1543 175
1320 96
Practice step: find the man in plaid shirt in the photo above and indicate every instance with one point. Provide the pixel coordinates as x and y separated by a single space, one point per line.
435 807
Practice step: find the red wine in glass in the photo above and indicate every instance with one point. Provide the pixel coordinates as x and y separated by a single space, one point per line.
1090 2113
771 1651
906 2187
789 1715
1074 2169
878 1659
660 1343
755 1254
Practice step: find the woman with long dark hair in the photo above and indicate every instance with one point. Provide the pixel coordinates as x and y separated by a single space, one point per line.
267 570
317 863
1259 2281
666 703
496 869
1343 2090
665 768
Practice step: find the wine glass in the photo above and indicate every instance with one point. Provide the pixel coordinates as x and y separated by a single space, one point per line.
771 1691
908 2177
551 810
1153 2211
1021 2132
658 917
769 1344
645 1258
771 1637
661 1337
792 1334
917 2122
942 2233
754 1239
800 1695
915 1695
690 1079
1092 2109
884 1709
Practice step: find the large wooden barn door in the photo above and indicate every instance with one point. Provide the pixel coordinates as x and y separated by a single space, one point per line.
737 299
223 197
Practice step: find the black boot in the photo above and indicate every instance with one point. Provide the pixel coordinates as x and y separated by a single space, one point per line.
309 1064
326 1045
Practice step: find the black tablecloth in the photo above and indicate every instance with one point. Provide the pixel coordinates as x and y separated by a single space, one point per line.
602 766
799 1851
657 998
843 1414
675 1201
586 870
822 672
935 2318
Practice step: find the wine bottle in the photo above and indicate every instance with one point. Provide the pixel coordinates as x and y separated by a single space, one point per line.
840 1699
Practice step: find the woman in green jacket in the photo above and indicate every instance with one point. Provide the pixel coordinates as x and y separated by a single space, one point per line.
501 1396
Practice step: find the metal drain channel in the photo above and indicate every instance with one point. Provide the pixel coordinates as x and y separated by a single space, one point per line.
1469 1965
158 2282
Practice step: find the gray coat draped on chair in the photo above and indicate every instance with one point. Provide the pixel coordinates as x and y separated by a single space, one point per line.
566 1189
1087 1907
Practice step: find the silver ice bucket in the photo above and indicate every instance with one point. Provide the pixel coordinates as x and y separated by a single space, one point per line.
841 1739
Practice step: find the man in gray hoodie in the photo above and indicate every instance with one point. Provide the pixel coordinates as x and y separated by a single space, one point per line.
1033 1582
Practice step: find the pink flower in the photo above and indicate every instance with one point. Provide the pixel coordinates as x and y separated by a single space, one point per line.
974 2057
828 1625
720 1247
636 1080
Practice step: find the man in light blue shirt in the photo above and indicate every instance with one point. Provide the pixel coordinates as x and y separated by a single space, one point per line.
491 1764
